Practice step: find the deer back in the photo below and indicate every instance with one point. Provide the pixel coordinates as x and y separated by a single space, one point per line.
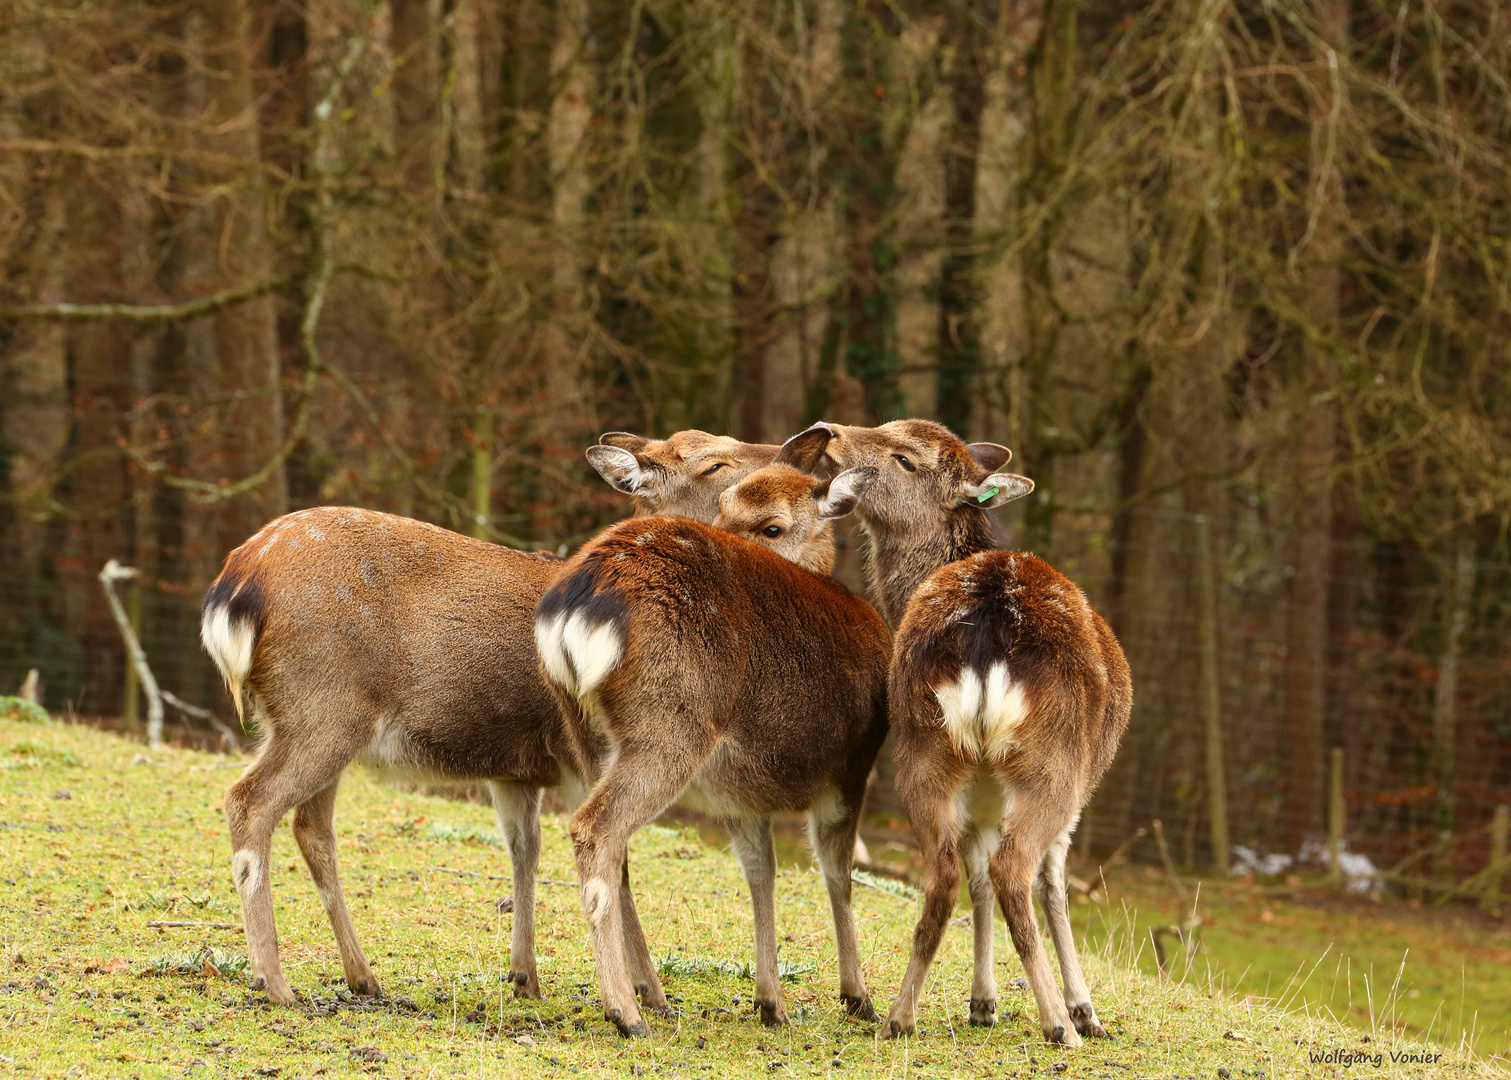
1006 655
355 616
665 624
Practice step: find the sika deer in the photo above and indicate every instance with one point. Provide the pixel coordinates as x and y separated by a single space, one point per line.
1008 696
682 475
362 635
692 662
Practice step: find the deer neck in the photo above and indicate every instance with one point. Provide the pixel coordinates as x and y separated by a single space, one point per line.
904 555
817 554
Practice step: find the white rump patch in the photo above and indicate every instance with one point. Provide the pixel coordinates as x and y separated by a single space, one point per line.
553 654
981 718
230 646
577 655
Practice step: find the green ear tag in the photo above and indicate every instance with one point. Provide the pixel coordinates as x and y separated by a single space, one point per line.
987 494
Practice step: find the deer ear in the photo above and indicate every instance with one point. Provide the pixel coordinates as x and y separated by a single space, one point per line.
840 495
623 470
805 449
996 489
624 441
989 455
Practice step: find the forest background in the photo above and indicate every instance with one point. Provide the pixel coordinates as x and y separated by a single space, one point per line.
1229 276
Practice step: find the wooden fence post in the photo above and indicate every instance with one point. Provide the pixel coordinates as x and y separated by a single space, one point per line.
1500 829
482 471
1217 788
1335 817
131 712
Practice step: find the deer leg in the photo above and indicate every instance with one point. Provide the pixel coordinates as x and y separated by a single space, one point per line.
976 846
637 954
752 846
1049 887
518 810
317 843
640 783
280 779
832 834
1012 867
934 828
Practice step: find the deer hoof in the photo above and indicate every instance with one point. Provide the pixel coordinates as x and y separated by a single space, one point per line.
635 1029
1062 1035
526 984
983 1012
859 1006
772 1013
895 1028
364 988
1085 1019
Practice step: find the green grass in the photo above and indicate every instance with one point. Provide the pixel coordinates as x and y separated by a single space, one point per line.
1441 973
99 838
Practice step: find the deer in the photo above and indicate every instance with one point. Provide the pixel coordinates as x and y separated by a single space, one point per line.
720 666
1008 697
364 636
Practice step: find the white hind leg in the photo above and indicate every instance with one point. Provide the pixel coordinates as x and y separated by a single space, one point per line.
832 835
1049 887
518 810
976 847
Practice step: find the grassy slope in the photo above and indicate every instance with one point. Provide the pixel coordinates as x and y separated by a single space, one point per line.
1301 943
140 840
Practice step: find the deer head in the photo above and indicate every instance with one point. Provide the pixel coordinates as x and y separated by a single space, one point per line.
682 475
924 473
787 509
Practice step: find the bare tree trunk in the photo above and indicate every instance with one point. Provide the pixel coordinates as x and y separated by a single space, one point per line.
1306 621
416 94
36 418
1006 117
97 486
567 411
712 237
802 268
469 133
1316 448
1053 73
228 245
958 329
1460 593
920 215
783 369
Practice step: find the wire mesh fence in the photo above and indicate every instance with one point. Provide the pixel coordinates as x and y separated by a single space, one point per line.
1415 677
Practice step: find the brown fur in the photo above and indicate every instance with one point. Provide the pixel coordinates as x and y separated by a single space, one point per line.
381 637
708 665
1008 698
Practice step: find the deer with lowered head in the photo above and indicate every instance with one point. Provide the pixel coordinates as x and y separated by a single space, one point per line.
1008 697
365 636
727 669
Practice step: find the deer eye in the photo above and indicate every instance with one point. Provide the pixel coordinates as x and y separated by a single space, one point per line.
772 531
905 463
715 467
